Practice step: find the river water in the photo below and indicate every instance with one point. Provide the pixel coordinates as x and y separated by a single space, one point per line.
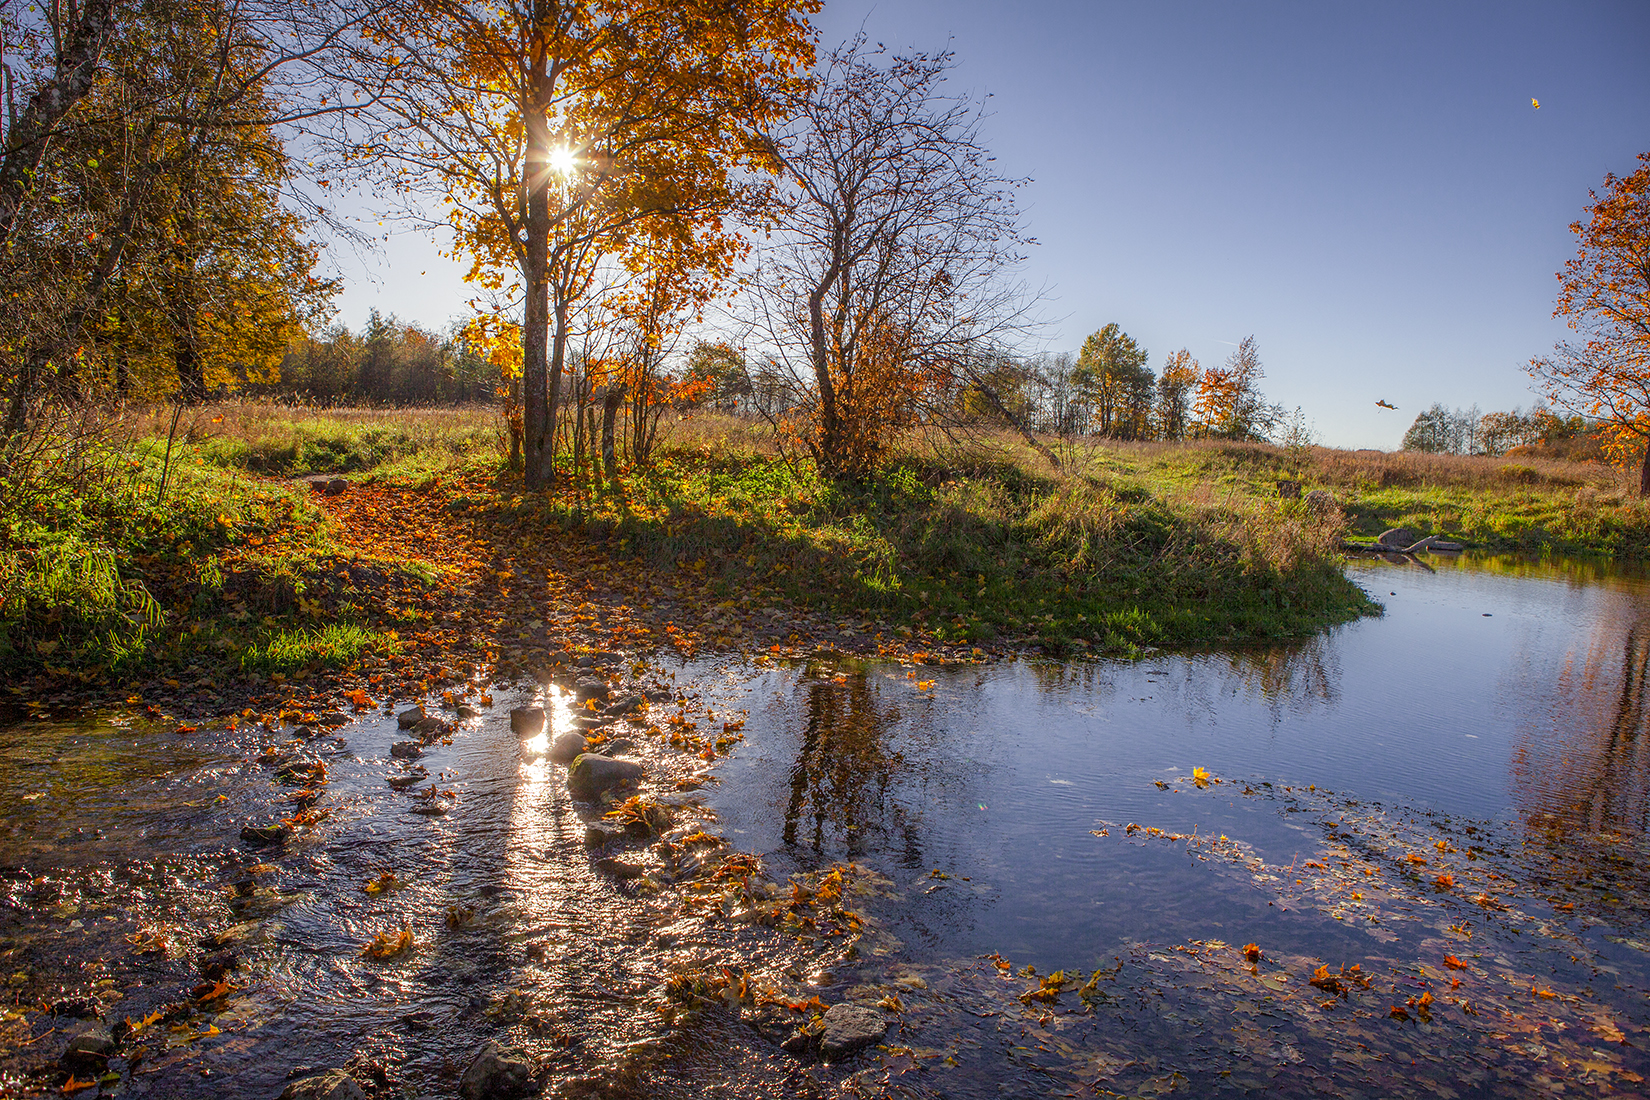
1428 830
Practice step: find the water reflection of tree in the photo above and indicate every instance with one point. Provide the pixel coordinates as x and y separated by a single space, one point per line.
1289 672
1583 762
842 774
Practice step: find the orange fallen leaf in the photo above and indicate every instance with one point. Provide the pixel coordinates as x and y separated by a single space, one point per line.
1454 963
1251 951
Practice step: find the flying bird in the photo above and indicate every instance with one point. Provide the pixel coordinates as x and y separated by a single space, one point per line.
1536 103
1385 404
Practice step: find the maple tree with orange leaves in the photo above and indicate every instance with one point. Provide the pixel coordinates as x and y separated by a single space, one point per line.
1604 294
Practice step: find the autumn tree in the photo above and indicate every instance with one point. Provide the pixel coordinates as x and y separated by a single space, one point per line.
1604 296
1229 402
156 242
564 133
891 233
1112 375
1175 387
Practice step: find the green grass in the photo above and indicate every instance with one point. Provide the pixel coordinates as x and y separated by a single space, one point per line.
335 645
980 547
104 574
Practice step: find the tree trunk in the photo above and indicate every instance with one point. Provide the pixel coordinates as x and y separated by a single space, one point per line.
610 413
31 131
1644 472
538 395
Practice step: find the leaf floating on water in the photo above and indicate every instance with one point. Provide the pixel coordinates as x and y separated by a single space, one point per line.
1251 951
1454 963
385 946
1200 776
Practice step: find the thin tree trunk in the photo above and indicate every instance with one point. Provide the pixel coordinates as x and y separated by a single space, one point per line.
1644 472
610 414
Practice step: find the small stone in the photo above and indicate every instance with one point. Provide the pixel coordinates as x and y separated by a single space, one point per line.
332 1084
527 721
660 695
336 485
428 725
584 662
590 687
219 963
318 484
260 835
618 746
406 750
466 711
494 1072
566 746
773 1022
589 721
589 775
850 1027
624 704
595 836
89 1041
332 719
408 718
798 1044
619 869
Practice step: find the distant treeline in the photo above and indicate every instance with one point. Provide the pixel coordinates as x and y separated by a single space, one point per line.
388 362
1440 430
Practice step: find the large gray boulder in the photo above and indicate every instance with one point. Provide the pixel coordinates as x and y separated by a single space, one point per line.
849 1028
496 1073
332 1084
589 775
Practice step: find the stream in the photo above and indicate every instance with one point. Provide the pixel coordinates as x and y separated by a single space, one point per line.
1405 857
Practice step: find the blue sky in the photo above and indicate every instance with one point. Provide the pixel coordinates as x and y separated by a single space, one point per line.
1364 188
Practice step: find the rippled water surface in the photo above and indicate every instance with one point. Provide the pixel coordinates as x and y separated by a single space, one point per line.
1451 798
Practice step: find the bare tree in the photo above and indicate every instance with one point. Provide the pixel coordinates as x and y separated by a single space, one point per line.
891 235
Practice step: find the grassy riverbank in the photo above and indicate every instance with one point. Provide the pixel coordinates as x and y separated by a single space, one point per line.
1123 547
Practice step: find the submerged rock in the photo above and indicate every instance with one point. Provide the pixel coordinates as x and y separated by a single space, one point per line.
566 746
850 1027
620 869
406 750
408 717
259 835
589 775
527 721
494 1072
89 1042
332 1084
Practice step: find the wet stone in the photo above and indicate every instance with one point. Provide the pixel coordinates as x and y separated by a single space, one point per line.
496 1072
217 964
527 721
260 835
466 711
618 746
850 1027
332 1084
590 687
589 775
659 695
624 704
428 725
590 721
88 1042
409 717
566 746
620 869
406 750
772 1022
595 836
